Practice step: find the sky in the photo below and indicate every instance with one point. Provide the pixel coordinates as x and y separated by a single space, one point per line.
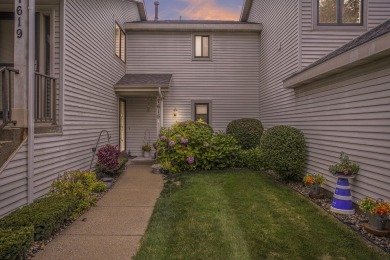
196 9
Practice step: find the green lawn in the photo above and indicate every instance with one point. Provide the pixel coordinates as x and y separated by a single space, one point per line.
244 215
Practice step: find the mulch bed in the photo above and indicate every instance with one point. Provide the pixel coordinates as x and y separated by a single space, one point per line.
355 221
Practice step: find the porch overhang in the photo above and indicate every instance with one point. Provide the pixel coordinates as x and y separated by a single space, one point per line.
143 84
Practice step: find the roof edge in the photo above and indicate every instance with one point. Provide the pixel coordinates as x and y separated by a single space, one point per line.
185 27
246 9
368 52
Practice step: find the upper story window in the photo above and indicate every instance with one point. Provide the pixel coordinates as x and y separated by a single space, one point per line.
202 47
339 12
120 43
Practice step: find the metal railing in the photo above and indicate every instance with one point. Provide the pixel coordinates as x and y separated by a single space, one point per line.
45 99
94 149
7 90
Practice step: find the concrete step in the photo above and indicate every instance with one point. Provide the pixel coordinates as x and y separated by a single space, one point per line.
10 134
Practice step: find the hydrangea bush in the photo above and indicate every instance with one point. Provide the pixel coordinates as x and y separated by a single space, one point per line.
190 146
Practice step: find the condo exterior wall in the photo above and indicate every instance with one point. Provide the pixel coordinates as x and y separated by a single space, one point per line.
346 113
316 43
229 80
90 69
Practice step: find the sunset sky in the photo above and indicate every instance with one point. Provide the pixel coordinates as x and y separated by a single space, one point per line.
196 9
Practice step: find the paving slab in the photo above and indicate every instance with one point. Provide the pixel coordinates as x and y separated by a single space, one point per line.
74 247
129 198
112 229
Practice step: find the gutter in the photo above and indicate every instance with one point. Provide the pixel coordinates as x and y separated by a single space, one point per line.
30 98
195 27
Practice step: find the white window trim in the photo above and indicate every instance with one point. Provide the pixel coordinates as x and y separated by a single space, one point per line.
121 30
318 27
210 35
197 101
51 14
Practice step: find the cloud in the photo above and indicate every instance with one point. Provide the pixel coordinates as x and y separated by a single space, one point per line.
208 10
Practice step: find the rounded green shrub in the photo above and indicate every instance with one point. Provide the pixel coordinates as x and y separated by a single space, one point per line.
284 151
247 132
251 159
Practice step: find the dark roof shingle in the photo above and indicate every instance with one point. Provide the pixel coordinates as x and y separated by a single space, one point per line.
145 79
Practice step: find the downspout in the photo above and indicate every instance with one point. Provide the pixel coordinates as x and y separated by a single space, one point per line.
161 107
30 98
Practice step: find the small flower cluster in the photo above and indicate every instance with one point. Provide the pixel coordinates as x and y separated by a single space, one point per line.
314 179
184 141
190 160
375 207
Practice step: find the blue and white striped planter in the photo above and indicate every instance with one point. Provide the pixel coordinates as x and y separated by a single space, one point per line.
342 199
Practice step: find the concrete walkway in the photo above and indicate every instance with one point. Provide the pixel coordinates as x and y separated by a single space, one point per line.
114 228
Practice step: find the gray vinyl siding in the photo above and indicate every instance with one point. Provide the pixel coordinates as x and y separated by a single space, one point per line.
90 104
140 122
317 43
13 179
230 80
349 112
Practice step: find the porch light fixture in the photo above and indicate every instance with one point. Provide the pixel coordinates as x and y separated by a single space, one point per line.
175 112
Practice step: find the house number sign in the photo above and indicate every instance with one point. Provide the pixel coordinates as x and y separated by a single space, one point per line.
19 12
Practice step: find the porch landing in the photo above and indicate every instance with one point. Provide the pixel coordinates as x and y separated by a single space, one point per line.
114 228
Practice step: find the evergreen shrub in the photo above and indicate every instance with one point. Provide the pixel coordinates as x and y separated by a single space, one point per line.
14 243
284 151
46 215
247 132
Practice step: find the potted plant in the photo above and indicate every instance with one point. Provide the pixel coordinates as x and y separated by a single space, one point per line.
315 181
166 166
146 150
377 211
157 168
345 167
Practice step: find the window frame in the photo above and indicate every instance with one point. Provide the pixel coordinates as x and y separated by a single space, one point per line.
209 104
121 32
202 58
339 25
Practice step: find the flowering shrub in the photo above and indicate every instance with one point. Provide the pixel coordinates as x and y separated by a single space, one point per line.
375 207
312 179
110 160
190 146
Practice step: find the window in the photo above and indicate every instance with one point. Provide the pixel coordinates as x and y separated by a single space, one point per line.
202 46
202 111
120 43
7 39
43 43
340 12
